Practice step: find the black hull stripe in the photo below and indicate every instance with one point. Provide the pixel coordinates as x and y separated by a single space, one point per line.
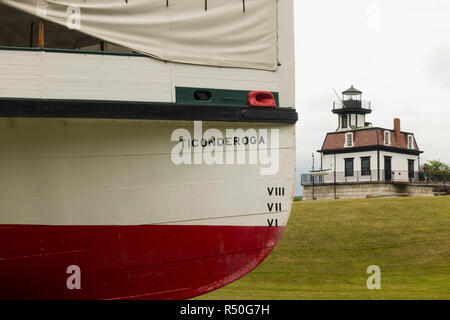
49 108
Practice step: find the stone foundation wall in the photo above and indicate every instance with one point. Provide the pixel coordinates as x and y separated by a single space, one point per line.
363 190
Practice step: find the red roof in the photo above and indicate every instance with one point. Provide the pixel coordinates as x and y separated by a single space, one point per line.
367 137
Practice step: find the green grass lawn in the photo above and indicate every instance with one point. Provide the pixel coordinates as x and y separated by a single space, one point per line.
328 245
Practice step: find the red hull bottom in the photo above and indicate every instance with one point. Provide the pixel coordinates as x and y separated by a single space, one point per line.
127 262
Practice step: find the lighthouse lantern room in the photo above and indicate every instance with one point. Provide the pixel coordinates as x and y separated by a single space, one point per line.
352 110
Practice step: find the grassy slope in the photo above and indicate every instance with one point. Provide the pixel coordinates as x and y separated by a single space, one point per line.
328 245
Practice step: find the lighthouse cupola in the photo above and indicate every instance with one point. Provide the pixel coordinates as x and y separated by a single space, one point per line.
352 110
352 98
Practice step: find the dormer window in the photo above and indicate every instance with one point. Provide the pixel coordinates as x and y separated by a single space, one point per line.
349 139
410 141
387 138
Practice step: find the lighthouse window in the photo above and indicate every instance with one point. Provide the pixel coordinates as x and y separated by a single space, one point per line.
344 121
410 142
365 166
353 120
349 167
349 140
410 169
387 138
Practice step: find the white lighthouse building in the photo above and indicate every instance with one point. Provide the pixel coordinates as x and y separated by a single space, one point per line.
357 151
362 159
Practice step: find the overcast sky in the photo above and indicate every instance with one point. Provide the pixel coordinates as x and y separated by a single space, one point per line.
396 51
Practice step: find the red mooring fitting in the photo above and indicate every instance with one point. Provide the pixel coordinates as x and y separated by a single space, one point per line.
261 99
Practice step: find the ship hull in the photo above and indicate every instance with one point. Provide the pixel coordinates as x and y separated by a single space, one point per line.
127 262
99 209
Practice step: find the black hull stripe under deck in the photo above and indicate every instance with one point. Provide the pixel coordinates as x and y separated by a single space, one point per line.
50 108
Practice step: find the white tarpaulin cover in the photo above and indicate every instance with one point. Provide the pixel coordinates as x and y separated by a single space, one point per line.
211 32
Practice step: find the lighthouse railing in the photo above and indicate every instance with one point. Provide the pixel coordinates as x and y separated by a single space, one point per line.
338 104
365 176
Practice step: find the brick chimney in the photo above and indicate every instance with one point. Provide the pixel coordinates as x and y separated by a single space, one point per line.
397 130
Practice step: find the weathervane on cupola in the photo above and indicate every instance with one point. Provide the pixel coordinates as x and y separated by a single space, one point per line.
352 110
